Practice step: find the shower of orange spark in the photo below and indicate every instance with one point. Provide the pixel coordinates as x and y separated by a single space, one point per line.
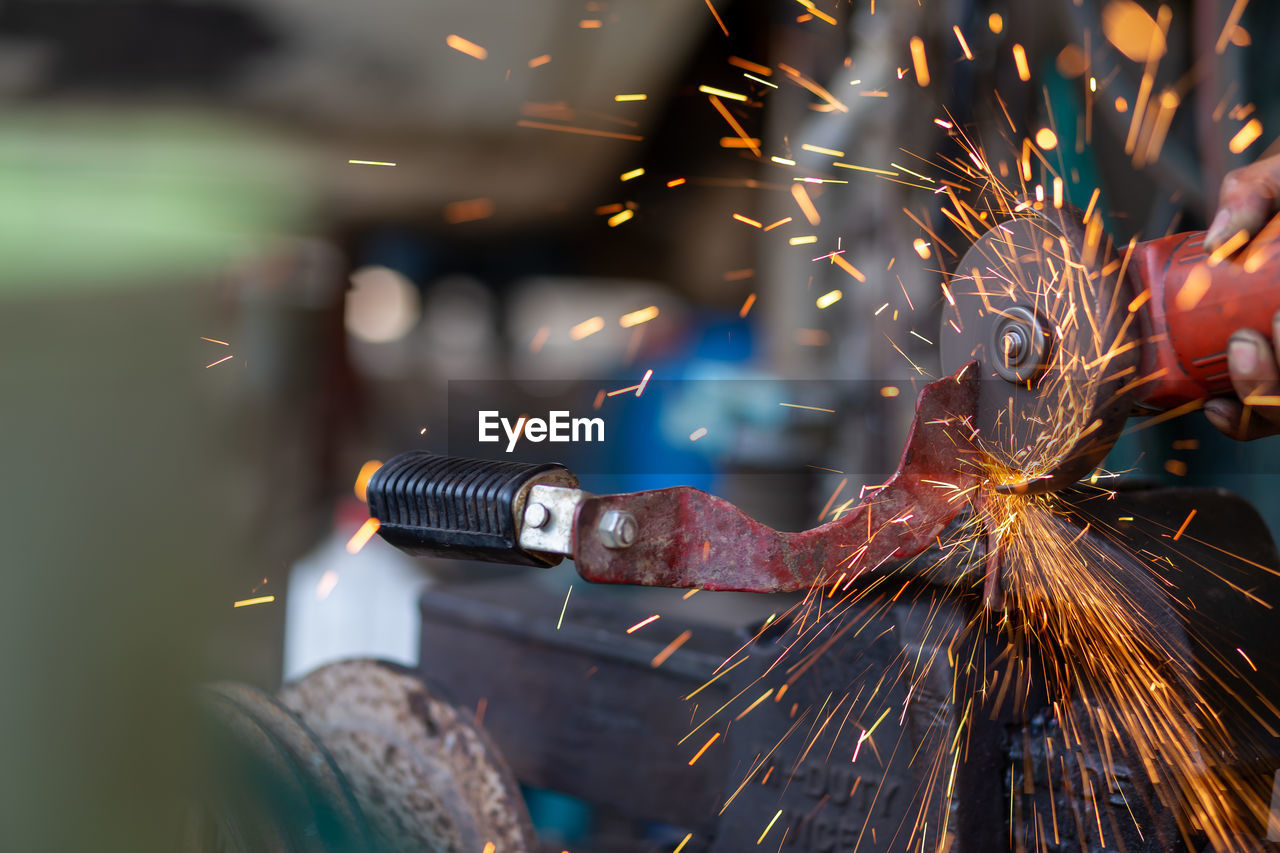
733 123
367 470
723 29
462 45
362 536
919 61
642 623
586 328
661 657
1020 60
635 318
542 125
1245 137
805 203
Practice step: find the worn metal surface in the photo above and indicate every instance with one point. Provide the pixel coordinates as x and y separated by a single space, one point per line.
582 710
425 777
547 522
688 538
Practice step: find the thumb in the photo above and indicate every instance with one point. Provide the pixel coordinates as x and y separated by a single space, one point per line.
1247 199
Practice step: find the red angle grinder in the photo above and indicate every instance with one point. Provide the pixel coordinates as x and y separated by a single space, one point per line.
1072 337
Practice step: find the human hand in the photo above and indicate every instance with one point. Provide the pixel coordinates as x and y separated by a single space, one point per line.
1255 375
1249 197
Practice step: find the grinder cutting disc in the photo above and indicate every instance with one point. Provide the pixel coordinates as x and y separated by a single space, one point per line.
1042 306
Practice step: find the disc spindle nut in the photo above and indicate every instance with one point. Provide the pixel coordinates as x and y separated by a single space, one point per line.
1020 344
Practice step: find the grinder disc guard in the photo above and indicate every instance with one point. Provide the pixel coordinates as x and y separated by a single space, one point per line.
1041 304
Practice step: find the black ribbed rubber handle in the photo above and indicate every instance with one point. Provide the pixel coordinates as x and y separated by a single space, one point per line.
467 509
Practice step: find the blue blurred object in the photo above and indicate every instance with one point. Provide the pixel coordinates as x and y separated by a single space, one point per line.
558 817
401 249
656 427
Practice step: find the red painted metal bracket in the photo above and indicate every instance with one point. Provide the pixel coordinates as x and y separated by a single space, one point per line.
688 538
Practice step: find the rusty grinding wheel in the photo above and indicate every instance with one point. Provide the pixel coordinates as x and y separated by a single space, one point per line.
424 776
1041 304
272 786
357 757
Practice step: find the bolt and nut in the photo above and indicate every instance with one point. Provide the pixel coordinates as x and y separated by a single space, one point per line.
618 529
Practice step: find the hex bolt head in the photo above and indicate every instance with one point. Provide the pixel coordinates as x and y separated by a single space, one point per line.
536 515
618 529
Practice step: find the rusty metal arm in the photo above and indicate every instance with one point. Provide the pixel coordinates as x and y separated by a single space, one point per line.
688 538
681 537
